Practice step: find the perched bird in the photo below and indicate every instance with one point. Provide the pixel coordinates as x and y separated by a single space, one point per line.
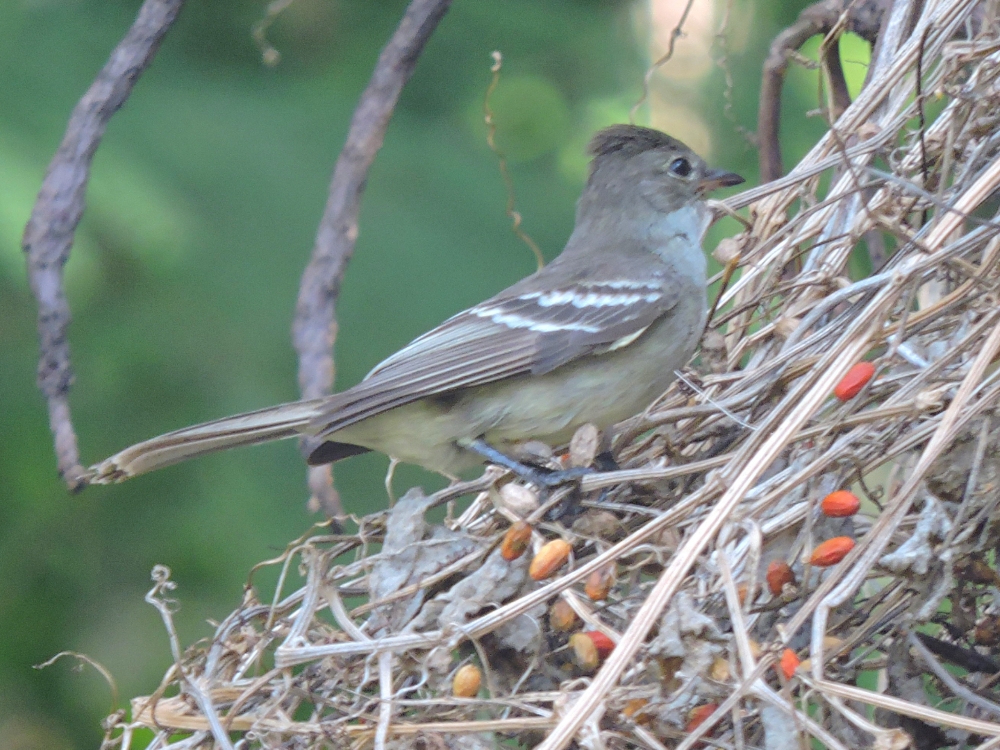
595 336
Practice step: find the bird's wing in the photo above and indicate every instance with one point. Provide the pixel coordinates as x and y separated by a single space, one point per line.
513 334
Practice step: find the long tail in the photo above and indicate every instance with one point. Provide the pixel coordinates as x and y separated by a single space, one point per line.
274 423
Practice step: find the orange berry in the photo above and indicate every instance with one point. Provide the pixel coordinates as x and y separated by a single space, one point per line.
515 541
831 552
851 384
602 643
698 714
742 590
599 583
549 559
789 663
562 618
584 651
840 504
634 707
719 671
466 682
778 574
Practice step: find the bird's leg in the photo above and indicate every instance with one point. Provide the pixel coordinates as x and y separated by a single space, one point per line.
534 474
605 461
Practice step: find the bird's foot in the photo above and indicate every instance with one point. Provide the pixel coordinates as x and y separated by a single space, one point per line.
605 461
537 475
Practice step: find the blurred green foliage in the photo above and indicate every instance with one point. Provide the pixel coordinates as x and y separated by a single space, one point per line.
201 214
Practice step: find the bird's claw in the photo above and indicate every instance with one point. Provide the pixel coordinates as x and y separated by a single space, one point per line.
546 478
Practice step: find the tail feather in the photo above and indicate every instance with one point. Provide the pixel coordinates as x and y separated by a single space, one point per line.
275 423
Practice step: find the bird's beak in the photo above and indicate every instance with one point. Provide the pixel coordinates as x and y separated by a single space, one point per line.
718 178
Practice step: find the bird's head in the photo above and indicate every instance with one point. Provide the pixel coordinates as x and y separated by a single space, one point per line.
633 162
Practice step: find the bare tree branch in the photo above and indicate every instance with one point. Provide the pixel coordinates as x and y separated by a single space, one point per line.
315 326
863 18
840 97
48 236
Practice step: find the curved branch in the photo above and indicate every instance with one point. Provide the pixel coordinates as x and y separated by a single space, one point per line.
863 18
48 236
315 326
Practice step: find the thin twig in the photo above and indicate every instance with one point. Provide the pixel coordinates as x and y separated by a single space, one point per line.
950 681
491 131
48 237
101 669
315 326
676 33
269 54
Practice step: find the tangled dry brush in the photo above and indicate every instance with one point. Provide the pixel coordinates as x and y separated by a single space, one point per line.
697 607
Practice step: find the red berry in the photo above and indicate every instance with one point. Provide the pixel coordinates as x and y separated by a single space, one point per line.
851 384
778 574
602 643
840 504
831 552
789 663
698 714
515 541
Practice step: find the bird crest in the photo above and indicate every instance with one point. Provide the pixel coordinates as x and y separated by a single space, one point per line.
629 140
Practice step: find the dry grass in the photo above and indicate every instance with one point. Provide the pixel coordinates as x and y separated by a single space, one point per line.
721 478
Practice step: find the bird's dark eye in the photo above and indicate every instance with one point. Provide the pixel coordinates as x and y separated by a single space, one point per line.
680 167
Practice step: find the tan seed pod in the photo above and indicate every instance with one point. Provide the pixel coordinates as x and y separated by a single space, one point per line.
533 452
599 583
932 399
584 445
562 618
719 670
467 681
714 352
515 541
867 130
584 651
786 325
727 250
599 523
634 710
518 499
549 559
